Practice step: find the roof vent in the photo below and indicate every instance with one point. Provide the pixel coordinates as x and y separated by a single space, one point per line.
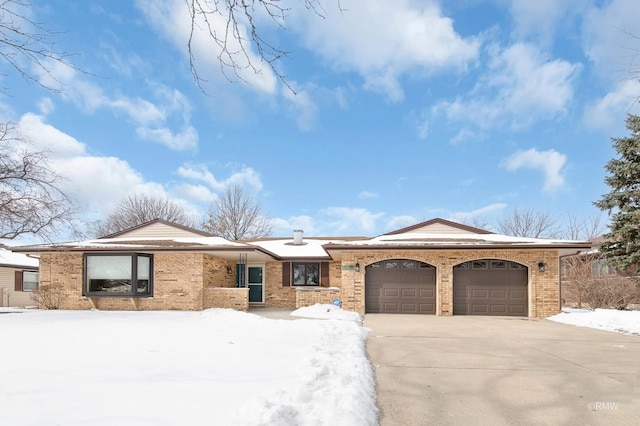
297 237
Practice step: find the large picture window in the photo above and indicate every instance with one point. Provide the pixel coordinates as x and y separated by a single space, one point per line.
126 274
306 274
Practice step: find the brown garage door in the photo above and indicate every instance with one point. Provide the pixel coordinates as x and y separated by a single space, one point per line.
400 286
490 287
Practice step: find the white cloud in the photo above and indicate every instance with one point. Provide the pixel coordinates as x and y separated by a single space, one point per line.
186 138
543 18
529 82
284 227
520 86
609 111
153 121
399 222
46 106
465 217
349 220
246 177
97 183
46 137
303 106
367 194
196 192
608 37
383 40
550 163
171 19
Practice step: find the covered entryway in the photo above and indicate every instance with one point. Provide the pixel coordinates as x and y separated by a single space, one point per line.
490 287
400 286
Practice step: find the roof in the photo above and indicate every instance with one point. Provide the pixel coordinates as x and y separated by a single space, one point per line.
9 259
430 235
437 225
159 223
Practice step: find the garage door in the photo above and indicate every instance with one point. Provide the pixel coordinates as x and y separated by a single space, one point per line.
400 286
490 287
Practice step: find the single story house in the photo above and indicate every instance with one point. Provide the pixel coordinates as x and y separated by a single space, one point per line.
18 278
435 267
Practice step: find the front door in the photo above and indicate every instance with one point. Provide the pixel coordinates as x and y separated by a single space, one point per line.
255 281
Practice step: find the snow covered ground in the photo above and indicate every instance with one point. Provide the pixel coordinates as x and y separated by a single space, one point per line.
215 367
627 322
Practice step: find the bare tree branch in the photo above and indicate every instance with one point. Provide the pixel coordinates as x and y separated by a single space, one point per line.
529 223
137 209
237 216
589 281
240 34
584 228
31 201
26 44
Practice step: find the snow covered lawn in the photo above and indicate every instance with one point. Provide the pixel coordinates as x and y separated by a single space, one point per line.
215 367
627 322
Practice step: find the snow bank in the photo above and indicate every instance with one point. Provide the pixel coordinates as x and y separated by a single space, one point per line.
627 322
320 311
218 366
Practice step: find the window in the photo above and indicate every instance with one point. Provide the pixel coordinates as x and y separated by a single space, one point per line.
306 274
127 275
479 264
26 281
498 264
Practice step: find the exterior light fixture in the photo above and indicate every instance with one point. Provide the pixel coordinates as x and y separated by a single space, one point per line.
541 266
357 266
229 270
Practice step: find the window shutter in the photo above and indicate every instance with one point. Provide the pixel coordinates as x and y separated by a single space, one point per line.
286 274
18 285
324 274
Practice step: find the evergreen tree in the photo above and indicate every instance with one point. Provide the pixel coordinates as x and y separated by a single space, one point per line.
622 244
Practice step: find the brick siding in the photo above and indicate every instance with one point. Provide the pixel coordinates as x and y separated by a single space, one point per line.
188 281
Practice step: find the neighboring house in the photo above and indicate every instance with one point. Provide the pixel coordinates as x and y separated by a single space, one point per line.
436 267
18 278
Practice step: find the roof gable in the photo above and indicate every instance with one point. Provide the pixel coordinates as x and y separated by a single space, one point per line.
439 226
158 228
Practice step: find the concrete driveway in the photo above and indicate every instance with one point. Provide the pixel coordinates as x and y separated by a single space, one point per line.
468 370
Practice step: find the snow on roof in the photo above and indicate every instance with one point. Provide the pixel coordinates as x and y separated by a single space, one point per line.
285 248
148 242
455 239
312 247
9 258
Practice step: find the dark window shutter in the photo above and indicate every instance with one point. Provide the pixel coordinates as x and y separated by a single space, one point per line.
324 274
18 281
286 274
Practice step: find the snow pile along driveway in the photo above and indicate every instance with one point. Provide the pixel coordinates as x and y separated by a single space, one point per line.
176 368
627 322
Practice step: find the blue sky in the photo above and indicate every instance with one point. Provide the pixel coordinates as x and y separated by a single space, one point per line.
404 110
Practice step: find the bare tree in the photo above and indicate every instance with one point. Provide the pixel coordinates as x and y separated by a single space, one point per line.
137 209
584 228
233 27
589 281
529 223
27 46
31 201
237 215
477 222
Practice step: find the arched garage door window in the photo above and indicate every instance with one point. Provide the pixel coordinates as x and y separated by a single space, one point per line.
400 286
490 287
